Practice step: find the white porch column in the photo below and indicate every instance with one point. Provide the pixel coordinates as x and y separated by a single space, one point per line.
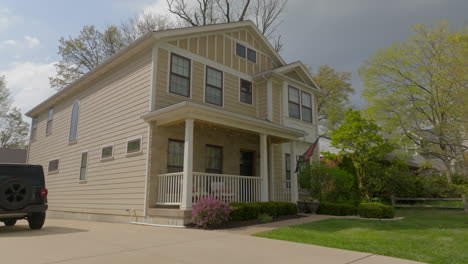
264 167
294 185
187 180
271 169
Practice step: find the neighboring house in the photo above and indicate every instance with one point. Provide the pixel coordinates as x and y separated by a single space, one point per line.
176 116
11 155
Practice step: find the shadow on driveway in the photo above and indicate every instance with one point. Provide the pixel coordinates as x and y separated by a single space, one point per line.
24 231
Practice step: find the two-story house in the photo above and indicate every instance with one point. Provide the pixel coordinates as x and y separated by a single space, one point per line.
176 116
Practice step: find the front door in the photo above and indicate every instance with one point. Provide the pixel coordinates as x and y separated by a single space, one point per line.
246 163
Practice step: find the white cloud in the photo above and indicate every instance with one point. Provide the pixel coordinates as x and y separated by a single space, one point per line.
159 7
29 83
32 41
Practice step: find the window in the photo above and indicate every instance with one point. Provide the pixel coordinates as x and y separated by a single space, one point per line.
306 101
74 122
175 156
245 91
50 118
107 152
180 75
214 159
34 129
134 145
214 86
53 165
240 50
252 55
84 166
294 105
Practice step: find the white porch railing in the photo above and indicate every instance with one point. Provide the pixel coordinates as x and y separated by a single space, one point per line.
228 188
169 188
282 191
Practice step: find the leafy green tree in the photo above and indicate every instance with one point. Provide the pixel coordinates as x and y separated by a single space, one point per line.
335 100
360 137
418 90
81 53
13 129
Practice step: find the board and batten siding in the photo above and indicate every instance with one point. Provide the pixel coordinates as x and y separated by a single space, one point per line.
231 88
110 113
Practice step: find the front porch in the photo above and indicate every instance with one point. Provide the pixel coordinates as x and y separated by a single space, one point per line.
233 158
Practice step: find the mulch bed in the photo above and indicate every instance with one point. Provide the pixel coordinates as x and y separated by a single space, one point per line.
237 224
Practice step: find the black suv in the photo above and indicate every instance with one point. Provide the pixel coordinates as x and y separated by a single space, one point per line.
23 194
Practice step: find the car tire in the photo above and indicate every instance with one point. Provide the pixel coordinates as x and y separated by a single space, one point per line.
15 193
10 222
36 220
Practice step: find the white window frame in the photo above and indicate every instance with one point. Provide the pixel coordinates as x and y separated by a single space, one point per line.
169 71
106 146
205 80
87 166
134 152
51 120
48 166
252 91
34 126
77 122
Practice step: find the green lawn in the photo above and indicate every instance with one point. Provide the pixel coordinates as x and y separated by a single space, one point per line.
433 236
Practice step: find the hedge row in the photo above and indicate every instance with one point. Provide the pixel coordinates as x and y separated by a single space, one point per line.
326 208
375 210
249 211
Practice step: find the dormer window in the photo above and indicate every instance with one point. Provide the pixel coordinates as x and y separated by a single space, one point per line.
240 50
252 55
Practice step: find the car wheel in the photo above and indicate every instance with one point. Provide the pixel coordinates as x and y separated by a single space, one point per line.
36 220
10 222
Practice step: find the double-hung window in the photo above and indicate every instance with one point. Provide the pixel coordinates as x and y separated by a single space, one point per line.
245 91
306 101
175 156
214 159
50 119
294 103
214 86
74 122
180 75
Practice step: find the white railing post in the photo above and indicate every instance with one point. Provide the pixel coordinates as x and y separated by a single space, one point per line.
187 180
264 168
294 186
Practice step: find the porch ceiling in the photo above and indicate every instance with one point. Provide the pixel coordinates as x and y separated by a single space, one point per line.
189 110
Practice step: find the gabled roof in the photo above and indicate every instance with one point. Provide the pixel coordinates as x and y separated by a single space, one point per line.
146 40
299 70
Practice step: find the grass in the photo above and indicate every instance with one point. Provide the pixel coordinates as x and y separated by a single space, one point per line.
431 235
438 203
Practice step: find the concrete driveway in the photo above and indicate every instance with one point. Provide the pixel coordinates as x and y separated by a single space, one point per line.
66 241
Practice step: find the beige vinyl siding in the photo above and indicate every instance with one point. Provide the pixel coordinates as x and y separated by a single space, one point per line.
231 88
277 86
110 113
221 48
262 99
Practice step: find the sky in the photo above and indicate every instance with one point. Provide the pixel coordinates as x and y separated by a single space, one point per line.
340 33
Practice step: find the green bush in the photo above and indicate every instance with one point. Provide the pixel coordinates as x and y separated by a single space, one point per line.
249 211
326 208
264 218
375 210
329 184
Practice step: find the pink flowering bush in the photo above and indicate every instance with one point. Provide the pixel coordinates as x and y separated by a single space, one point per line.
209 212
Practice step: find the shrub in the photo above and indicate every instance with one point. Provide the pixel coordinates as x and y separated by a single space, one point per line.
209 212
264 218
376 210
249 211
336 209
329 184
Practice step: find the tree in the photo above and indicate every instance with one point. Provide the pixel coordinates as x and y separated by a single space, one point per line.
418 89
91 47
13 129
266 14
335 100
361 137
